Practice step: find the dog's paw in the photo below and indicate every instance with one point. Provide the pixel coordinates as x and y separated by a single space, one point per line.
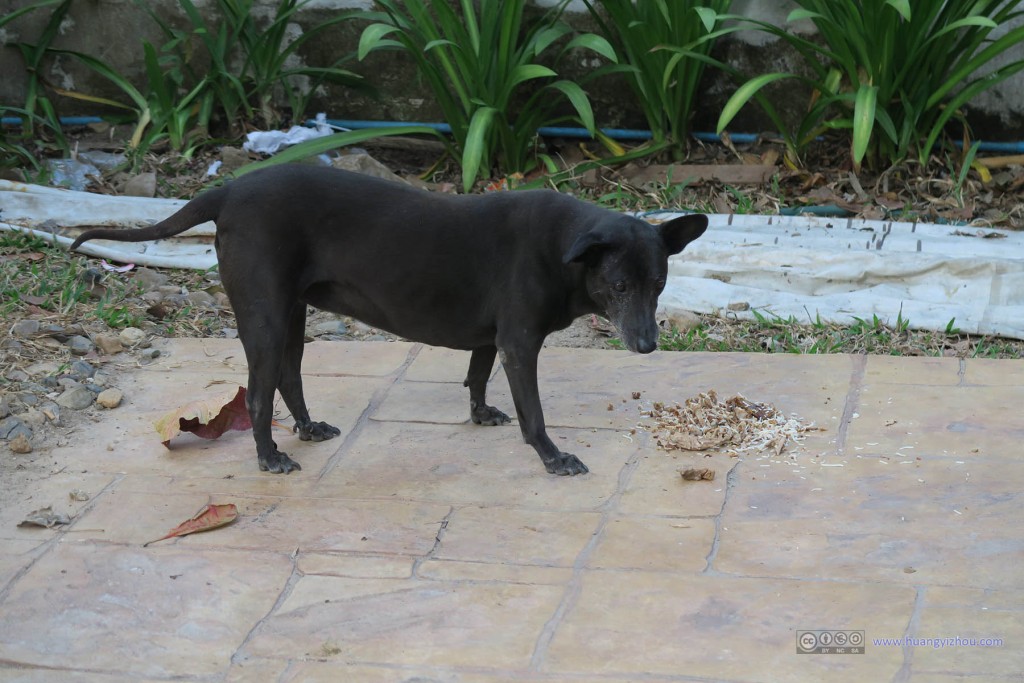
487 415
278 463
566 464
316 431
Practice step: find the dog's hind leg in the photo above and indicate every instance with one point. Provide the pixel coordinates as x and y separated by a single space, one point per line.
290 382
263 353
481 362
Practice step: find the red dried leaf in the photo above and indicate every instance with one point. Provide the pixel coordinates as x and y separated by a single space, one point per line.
208 418
210 517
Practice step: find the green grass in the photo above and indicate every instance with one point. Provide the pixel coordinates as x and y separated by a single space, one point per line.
36 276
768 333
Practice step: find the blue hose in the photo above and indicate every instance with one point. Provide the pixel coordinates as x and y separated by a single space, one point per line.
549 131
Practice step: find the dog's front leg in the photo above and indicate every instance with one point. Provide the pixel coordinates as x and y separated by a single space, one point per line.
481 362
520 365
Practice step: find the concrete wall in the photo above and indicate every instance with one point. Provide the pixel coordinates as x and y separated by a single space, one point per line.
113 30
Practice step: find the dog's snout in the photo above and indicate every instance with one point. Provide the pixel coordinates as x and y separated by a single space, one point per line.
646 345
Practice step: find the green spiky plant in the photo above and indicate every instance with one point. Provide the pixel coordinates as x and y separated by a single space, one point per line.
892 73
664 82
250 60
478 59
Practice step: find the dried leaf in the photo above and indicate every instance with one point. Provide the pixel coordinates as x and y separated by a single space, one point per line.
45 517
210 517
703 423
208 418
698 474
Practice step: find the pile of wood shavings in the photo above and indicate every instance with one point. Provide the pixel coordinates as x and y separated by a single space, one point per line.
734 426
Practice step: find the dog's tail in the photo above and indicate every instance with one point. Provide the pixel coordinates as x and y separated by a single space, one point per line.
205 207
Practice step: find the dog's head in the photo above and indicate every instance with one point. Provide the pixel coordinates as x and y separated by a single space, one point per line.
626 261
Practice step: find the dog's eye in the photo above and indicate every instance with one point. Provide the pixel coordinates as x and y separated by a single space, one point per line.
620 286
660 283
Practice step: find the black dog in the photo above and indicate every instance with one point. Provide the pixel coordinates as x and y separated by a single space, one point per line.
491 274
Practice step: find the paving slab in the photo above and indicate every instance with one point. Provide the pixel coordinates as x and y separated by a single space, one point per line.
420 547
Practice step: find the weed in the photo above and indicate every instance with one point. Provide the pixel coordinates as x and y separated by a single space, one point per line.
116 316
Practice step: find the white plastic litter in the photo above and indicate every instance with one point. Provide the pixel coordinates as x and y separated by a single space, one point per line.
835 269
60 215
271 141
807 267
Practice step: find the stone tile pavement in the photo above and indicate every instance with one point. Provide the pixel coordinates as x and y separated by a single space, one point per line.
418 547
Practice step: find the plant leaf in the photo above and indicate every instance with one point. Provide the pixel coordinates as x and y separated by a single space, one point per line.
372 38
801 13
595 43
579 101
901 6
473 152
863 121
311 148
743 95
206 418
210 517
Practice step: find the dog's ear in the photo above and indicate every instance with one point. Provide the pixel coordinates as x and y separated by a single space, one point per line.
588 245
679 232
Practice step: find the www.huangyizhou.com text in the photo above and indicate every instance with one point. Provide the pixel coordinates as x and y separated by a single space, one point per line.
938 643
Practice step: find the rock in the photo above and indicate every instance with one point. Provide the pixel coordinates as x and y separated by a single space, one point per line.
149 279
329 327
131 336
200 299
110 398
32 418
94 388
76 398
152 297
51 411
43 368
8 425
141 185
361 162
12 345
20 430
26 329
50 382
81 370
28 399
5 407
233 158
56 331
221 299
16 375
102 378
150 354
68 383
79 345
682 321
230 333
20 444
108 343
